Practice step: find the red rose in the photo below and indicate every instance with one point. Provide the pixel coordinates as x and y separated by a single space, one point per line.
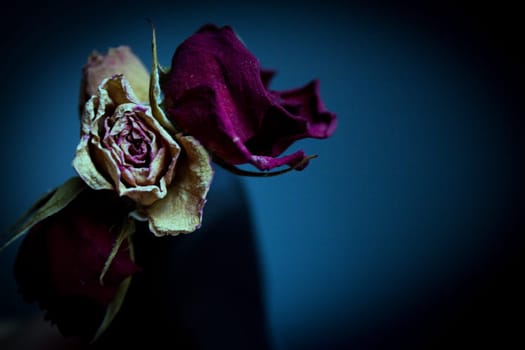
61 259
217 92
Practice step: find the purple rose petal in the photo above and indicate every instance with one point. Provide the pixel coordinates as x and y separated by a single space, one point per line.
61 258
217 92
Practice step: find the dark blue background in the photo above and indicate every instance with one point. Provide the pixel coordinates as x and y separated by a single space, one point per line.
408 228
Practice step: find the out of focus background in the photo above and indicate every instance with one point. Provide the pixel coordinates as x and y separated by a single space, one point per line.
407 230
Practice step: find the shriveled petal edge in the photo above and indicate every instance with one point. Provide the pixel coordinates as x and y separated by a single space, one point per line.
123 86
181 210
86 169
117 60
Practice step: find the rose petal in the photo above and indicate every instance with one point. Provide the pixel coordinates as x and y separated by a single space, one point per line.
216 92
120 60
276 133
119 90
181 210
87 170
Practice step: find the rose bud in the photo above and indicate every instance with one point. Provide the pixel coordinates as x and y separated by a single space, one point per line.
120 60
60 261
217 92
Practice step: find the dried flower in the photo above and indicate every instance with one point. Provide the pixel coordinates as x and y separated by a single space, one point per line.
217 92
123 147
141 158
61 260
130 147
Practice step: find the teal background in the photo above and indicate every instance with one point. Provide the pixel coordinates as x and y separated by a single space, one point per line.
411 219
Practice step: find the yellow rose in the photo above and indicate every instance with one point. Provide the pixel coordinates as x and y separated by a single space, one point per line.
123 147
128 145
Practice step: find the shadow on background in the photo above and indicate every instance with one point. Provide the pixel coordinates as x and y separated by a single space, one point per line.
198 291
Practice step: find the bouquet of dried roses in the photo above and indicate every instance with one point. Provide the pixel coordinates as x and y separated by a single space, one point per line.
148 145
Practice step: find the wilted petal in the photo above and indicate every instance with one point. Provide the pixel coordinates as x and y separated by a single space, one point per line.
120 60
60 261
216 92
181 210
292 118
87 170
112 121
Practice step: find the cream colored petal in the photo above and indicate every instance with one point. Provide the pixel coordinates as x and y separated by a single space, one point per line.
120 60
145 195
181 210
86 169
88 116
172 148
152 176
119 90
105 161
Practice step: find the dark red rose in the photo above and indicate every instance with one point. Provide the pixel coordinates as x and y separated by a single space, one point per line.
61 258
216 92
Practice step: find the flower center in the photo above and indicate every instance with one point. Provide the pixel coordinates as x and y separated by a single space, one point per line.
133 145
134 141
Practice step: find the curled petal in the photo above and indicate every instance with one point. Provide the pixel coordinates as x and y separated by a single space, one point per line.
295 114
181 210
217 92
120 60
87 170
123 147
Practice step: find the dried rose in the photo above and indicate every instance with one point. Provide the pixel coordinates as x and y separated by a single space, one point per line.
132 148
61 259
217 92
123 147
120 60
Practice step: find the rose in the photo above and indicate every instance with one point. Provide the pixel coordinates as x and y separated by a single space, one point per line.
217 92
123 147
130 147
60 261
120 60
